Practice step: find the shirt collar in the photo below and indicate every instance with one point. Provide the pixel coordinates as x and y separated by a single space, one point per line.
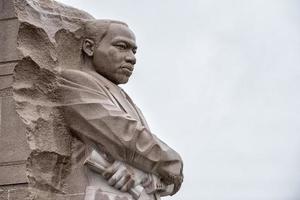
107 83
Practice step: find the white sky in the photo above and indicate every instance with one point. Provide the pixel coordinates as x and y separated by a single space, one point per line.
219 81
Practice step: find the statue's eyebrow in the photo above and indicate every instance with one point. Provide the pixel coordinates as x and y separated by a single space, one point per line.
124 39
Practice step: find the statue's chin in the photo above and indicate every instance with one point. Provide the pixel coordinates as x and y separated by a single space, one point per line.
122 80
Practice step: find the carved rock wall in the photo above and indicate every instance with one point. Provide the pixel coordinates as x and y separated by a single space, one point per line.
36 37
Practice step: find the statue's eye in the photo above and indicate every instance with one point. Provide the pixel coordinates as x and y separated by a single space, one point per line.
121 46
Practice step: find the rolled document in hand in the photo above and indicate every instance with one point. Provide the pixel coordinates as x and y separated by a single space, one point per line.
96 162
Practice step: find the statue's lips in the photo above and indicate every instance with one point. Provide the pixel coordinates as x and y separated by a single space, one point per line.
127 68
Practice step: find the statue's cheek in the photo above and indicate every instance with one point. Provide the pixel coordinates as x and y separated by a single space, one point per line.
116 55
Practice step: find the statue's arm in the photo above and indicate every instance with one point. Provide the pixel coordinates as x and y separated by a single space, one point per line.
89 112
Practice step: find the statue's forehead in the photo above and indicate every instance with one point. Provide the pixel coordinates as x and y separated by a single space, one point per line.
120 30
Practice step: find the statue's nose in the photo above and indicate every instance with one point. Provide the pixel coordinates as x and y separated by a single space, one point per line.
130 58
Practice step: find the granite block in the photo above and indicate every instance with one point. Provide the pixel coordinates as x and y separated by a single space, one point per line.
8 38
7 9
5 81
3 195
13 144
13 174
18 194
7 68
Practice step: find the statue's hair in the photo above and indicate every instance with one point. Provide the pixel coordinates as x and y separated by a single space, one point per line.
97 29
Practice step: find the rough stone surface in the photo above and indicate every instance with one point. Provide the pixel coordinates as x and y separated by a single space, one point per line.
53 26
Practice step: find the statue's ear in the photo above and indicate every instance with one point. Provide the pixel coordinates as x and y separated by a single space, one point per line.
88 47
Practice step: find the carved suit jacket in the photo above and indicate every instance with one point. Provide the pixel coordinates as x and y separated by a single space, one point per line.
103 117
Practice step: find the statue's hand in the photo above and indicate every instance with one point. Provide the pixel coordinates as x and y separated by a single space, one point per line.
153 183
176 180
120 176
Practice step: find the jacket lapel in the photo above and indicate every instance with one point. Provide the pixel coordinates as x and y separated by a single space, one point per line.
138 111
114 92
120 98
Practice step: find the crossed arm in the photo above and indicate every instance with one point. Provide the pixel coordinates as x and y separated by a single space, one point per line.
90 113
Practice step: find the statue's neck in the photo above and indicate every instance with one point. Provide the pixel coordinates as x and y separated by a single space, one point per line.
87 65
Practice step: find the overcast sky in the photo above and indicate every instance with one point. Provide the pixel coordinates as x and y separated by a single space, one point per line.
219 81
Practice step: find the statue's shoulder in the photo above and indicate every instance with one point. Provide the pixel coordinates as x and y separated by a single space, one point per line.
72 73
79 77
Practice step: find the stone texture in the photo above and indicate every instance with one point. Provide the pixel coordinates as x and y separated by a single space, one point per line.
13 144
22 192
7 9
6 92
47 171
7 68
13 173
6 72
8 38
54 27
18 194
6 81
3 195
44 195
17 190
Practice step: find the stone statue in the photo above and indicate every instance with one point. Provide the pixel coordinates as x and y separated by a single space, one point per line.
118 150
87 139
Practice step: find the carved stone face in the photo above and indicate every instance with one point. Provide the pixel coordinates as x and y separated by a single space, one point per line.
114 56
